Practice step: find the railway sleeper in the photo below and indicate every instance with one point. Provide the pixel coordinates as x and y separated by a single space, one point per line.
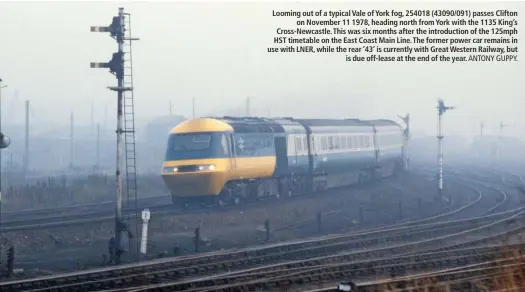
440 278
253 253
325 275
157 267
363 269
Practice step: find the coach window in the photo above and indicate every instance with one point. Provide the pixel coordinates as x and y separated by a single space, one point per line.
343 142
336 142
330 142
324 144
298 143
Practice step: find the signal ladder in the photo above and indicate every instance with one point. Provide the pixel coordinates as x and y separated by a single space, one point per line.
129 126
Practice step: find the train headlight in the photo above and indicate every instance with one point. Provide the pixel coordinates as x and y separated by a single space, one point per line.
206 167
170 169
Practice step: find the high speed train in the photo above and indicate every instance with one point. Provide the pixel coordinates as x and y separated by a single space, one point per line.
230 159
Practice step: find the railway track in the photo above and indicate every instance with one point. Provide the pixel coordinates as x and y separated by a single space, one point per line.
454 208
474 277
412 237
82 210
62 259
40 222
501 201
339 267
195 266
480 276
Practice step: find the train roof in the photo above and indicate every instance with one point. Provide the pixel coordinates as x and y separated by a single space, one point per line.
331 122
268 125
201 125
252 124
381 122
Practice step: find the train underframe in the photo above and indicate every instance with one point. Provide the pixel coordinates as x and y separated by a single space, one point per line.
252 190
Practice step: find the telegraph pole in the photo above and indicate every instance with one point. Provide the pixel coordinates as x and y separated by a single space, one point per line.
4 143
193 107
248 106
441 110
116 66
71 140
481 126
92 121
480 145
501 126
98 148
105 121
26 156
406 137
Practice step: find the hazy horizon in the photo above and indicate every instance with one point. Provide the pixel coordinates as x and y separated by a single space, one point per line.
217 53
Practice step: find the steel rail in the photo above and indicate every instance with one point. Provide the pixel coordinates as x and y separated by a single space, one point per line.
487 239
69 208
141 277
159 210
339 271
192 262
330 245
369 268
246 254
454 274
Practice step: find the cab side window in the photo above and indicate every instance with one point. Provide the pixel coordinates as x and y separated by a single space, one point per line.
224 148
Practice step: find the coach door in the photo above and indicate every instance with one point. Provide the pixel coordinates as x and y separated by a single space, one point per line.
281 163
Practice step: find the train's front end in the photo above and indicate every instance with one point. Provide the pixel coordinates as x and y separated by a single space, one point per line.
198 160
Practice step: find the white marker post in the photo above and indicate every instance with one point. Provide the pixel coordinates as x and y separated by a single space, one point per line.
145 218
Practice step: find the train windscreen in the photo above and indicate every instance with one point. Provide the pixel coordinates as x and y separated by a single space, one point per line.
197 146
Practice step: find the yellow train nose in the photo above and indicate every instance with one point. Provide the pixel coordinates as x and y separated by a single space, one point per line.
194 184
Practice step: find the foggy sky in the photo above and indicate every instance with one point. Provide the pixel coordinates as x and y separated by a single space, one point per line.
217 53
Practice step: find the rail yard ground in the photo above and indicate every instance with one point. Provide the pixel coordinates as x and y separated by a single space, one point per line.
238 227
476 192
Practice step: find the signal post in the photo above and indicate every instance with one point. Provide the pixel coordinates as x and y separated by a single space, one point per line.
441 110
117 31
